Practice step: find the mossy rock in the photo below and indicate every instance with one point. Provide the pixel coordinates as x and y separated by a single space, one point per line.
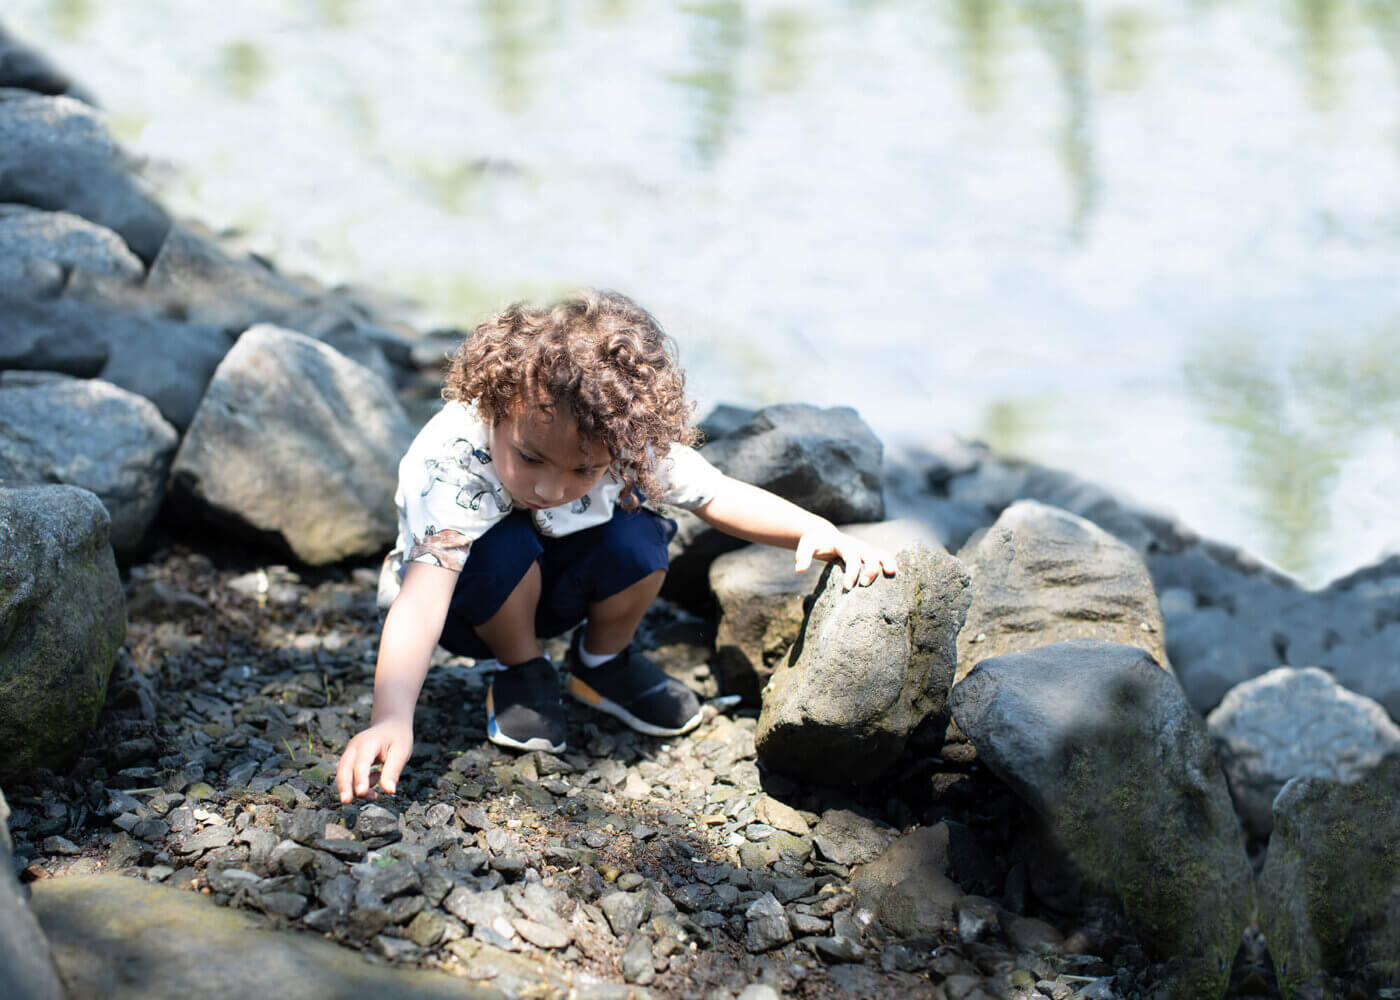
62 620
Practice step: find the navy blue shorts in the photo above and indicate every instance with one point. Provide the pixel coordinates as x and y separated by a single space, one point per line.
576 570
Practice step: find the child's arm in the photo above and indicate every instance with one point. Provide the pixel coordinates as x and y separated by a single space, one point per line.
755 515
411 631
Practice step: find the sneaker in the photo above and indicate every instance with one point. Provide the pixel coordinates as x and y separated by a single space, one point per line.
635 690
524 710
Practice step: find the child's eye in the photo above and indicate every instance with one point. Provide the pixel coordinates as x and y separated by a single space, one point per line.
527 459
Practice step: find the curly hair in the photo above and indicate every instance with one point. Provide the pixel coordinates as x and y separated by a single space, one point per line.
597 355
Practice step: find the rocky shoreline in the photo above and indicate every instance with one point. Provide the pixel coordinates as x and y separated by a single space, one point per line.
1074 750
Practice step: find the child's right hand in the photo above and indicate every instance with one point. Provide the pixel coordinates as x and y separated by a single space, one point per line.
390 741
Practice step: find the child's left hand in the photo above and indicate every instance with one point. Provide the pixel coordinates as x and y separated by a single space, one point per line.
863 562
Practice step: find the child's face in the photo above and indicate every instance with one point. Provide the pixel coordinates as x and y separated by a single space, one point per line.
541 458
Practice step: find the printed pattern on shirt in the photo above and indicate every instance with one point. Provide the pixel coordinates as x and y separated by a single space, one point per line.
455 469
447 548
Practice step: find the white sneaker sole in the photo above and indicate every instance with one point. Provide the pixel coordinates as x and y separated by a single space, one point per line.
583 693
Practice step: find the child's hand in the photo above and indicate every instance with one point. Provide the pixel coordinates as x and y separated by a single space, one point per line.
864 562
390 741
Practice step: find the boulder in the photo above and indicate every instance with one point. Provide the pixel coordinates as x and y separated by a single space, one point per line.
55 154
193 275
94 435
760 601
1290 723
167 361
1212 651
827 461
869 666
1329 892
26 68
73 243
998 483
908 888
1103 744
1371 667
62 620
1042 575
24 951
38 334
296 446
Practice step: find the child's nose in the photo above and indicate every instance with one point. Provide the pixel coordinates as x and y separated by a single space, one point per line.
551 488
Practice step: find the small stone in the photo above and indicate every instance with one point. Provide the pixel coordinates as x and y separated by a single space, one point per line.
376 821
624 912
61 846
628 881
636 962
206 840
541 935
426 929
230 880
474 817
767 924
345 850
151 830
838 949
287 904
779 815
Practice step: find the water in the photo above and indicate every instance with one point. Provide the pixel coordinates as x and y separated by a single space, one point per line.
1151 242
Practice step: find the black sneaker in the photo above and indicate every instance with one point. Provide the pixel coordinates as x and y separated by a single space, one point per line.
635 690
524 710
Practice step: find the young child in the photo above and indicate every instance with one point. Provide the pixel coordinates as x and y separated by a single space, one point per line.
520 516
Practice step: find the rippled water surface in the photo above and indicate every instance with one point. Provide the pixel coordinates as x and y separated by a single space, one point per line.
1152 242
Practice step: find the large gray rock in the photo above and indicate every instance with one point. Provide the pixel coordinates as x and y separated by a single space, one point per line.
1105 747
1042 575
194 275
127 939
55 154
1371 667
1212 651
297 445
998 483
24 951
63 618
28 69
167 361
1329 892
40 334
869 666
1293 723
826 461
74 244
94 435
760 601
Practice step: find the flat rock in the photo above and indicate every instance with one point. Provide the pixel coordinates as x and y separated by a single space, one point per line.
126 939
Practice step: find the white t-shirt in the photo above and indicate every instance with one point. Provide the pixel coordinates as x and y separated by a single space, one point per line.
449 495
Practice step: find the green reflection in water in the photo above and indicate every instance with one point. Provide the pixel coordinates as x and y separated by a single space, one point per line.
450 185
718 32
1062 30
336 13
463 302
784 33
612 10
1297 420
1125 33
1010 426
513 30
979 26
70 17
244 69
1318 24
